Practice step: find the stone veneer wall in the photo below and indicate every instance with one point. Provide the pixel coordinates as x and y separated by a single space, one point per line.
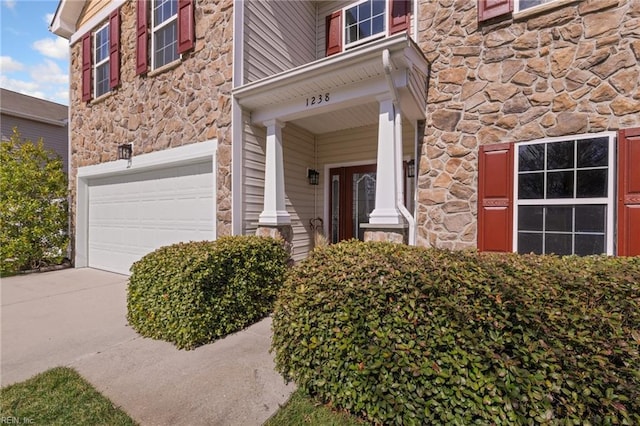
570 70
187 104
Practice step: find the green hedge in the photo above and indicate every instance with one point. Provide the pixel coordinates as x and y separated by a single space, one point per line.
193 293
403 335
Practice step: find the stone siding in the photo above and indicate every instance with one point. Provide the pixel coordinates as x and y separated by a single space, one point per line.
189 103
569 70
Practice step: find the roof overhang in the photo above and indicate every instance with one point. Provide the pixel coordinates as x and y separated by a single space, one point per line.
60 123
351 80
66 17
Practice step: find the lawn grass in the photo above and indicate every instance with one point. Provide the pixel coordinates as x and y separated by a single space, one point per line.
59 396
302 410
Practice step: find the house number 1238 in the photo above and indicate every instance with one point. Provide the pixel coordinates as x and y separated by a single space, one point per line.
317 100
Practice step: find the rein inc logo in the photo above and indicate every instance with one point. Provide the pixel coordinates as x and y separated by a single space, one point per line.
16 421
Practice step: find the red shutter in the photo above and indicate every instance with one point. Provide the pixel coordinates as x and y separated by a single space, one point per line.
114 48
186 33
495 197
142 10
629 192
334 33
86 67
398 15
488 9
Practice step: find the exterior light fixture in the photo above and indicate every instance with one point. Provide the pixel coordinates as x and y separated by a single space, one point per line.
125 151
313 176
411 168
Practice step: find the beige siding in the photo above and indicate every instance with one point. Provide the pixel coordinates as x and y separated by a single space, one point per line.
279 35
298 148
91 9
253 173
298 151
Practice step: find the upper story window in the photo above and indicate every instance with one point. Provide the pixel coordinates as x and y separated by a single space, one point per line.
364 21
488 9
521 5
164 30
101 61
164 24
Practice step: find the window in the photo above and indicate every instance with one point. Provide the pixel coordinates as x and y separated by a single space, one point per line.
364 21
101 61
171 29
521 5
564 196
164 24
488 9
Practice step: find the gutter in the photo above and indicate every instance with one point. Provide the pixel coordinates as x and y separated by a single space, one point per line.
60 123
397 143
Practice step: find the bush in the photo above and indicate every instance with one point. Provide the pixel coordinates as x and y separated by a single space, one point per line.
33 206
194 293
403 335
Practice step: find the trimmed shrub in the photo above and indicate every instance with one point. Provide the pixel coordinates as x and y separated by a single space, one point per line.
33 206
405 335
194 293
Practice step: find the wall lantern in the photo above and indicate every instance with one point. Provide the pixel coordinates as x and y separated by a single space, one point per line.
125 151
411 168
313 176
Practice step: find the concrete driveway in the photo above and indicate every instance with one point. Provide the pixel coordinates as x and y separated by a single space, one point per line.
77 318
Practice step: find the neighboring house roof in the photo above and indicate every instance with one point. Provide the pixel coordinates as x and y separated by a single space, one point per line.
23 106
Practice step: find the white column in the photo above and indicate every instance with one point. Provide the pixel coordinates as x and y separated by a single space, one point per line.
274 211
386 212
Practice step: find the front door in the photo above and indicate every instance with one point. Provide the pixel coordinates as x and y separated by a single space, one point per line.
352 198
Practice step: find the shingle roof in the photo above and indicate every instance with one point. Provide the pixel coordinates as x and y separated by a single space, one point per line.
17 104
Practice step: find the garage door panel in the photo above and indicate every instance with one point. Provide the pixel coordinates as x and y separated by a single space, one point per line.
131 215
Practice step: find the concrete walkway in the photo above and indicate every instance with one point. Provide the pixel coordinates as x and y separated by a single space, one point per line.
77 318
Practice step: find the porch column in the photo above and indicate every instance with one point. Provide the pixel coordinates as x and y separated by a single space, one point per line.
385 211
274 211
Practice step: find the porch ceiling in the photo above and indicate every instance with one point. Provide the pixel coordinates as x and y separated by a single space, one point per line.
351 82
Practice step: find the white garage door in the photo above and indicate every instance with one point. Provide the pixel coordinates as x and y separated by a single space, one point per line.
132 214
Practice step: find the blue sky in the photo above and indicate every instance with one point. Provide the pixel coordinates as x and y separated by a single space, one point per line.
33 60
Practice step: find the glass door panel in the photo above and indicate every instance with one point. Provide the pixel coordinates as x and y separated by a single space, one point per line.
364 200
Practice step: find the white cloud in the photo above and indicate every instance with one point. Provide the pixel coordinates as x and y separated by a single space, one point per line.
49 72
57 48
25 87
8 64
10 4
48 18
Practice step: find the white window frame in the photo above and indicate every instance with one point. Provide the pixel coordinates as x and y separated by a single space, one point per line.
539 7
99 64
343 26
609 200
155 28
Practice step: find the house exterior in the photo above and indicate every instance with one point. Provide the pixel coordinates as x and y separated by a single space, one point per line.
506 125
36 118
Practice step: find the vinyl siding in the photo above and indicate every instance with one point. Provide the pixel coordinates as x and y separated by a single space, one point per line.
54 137
279 35
298 148
91 9
298 151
